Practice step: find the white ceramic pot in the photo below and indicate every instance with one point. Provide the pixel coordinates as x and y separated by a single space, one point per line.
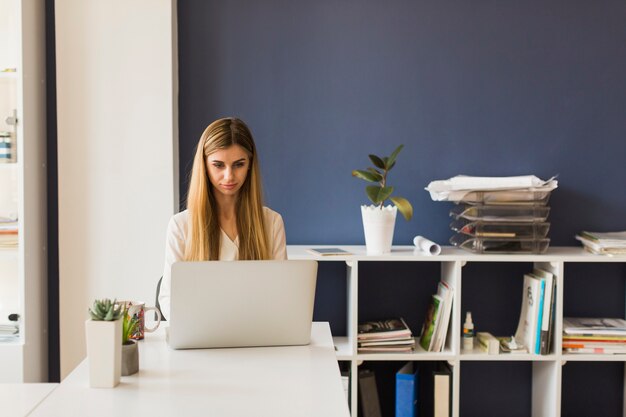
104 352
378 226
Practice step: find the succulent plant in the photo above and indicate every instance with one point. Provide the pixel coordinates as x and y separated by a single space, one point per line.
105 310
381 192
129 326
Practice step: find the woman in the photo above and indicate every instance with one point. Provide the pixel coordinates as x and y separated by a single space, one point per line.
225 218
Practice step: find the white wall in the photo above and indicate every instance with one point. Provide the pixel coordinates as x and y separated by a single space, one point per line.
117 153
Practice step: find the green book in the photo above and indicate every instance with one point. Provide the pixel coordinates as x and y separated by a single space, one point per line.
430 322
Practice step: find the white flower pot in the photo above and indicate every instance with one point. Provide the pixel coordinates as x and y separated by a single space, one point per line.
104 352
378 226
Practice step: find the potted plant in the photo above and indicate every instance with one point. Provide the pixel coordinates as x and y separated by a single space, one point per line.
379 220
104 343
130 351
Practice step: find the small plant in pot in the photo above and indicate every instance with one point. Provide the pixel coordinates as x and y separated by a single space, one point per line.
379 220
103 333
130 351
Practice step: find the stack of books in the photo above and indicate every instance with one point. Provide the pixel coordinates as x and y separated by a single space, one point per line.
435 327
390 335
594 335
8 232
9 332
497 214
610 243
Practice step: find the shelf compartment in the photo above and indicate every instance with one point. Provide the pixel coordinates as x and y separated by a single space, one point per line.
523 388
385 373
592 389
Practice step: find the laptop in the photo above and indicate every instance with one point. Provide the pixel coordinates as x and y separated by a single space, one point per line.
218 304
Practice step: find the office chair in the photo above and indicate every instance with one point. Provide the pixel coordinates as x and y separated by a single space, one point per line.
156 302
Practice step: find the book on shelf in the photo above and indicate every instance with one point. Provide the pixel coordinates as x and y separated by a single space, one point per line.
368 394
608 350
407 392
433 313
592 338
594 335
548 309
392 342
609 243
386 349
9 329
391 335
580 344
594 326
446 292
529 326
442 397
383 329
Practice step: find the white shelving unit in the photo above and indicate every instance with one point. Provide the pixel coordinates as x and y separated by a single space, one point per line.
23 270
546 377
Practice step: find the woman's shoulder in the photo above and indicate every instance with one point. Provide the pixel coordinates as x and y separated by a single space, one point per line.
271 215
179 219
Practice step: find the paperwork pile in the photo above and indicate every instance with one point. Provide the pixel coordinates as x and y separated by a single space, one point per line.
610 243
8 232
9 332
594 335
497 214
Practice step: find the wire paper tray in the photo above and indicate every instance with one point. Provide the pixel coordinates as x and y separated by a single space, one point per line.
501 229
487 213
506 197
499 245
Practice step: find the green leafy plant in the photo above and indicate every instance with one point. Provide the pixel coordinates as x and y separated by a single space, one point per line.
105 310
378 194
129 326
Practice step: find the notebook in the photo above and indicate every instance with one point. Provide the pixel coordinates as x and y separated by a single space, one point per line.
241 303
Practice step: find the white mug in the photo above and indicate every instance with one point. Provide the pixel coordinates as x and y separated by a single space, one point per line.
138 310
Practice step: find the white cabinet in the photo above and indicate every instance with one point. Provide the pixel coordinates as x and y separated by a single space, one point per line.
401 282
23 283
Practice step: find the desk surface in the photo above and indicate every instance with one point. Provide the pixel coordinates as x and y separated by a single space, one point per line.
21 399
271 381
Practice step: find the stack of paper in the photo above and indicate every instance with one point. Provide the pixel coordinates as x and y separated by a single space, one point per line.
497 214
610 243
8 232
464 188
391 335
9 332
594 335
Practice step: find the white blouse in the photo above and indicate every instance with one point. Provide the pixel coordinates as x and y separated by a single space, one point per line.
229 249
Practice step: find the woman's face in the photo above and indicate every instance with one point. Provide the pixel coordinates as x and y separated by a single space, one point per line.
227 169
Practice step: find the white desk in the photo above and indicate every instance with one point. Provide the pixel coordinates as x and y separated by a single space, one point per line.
17 400
274 381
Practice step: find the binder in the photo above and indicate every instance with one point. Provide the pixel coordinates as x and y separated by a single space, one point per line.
407 397
368 394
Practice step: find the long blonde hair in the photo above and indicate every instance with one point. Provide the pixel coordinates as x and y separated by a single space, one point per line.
203 229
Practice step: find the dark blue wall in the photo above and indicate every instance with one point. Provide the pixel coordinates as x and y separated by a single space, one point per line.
470 87
477 87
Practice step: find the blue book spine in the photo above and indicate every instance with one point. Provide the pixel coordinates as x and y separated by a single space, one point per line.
406 393
540 317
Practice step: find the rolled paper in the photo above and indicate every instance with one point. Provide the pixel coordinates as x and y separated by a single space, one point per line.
426 246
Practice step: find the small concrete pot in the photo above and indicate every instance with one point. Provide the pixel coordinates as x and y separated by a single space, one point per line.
130 358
